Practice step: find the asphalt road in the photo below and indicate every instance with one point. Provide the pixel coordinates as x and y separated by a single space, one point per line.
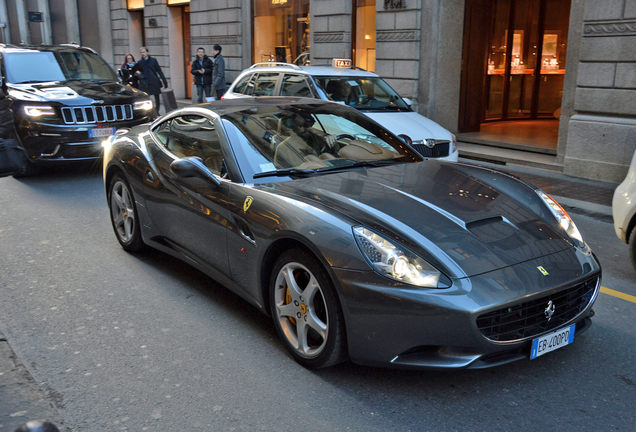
144 342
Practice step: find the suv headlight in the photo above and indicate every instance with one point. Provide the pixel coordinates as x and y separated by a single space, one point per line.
564 219
38 111
145 105
453 146
395 262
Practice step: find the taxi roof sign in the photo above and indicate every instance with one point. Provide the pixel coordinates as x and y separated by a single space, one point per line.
341 63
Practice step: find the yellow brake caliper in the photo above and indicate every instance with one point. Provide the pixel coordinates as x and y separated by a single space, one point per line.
288 300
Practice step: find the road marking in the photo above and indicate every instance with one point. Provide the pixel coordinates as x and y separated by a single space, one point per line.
620 295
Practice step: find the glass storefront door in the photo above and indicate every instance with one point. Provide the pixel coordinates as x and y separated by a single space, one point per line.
281 30
364 35
526 59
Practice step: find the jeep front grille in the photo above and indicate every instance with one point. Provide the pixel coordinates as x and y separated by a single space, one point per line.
97 114
438 149
529 319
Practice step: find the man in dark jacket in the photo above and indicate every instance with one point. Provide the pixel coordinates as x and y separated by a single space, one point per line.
202 67
150 74
218 76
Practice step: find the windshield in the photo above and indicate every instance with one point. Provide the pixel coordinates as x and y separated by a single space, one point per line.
364 93
310 140
44 66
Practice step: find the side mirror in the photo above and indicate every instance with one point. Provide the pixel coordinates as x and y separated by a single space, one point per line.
193 166
407 139
408 101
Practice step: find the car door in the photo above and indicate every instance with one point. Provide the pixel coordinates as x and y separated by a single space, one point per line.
265 84
190 214
296 85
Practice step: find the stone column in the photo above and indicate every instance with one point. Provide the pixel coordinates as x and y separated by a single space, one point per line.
601 136
438 92
4 18
330 30
219 22
156 29
22 23
397 37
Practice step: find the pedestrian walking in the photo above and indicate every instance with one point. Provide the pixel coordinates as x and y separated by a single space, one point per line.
202 68
218 75
128 71
151 76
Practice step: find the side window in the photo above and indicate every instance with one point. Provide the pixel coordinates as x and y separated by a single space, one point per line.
265 84
242 84
295 85
194 135
162 132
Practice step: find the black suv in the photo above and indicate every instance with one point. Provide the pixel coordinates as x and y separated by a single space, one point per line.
66 100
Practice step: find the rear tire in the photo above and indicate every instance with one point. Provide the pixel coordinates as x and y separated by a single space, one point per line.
123 214
306 311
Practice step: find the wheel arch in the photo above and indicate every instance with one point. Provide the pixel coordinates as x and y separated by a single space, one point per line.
275 250
630 227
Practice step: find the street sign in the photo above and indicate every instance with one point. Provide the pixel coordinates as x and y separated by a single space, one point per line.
36 17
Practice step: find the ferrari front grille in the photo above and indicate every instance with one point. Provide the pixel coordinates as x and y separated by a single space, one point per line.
536 316
97 114
438 149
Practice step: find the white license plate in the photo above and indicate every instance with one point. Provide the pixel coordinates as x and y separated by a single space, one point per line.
101 132
552 341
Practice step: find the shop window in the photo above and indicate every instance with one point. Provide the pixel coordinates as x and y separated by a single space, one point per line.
364 37
281 30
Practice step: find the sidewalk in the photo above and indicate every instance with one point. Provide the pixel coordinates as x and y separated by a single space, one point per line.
21 399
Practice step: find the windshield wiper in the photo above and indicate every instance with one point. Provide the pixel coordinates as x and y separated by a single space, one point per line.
284 172
358 164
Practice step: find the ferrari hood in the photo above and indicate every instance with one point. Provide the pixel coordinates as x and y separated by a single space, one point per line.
464 219
75 93
415 125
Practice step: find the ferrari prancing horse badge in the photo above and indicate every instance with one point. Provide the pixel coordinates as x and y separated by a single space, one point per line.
247 203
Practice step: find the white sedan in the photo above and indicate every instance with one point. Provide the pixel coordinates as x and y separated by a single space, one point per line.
624 210
352 86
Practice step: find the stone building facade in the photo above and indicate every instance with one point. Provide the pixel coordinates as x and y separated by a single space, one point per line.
418 46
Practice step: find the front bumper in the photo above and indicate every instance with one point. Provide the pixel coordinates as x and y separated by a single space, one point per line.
394 326
47 143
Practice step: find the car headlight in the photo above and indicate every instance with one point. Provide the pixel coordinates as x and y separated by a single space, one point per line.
564 219
453 146
395 262
145 105
38 111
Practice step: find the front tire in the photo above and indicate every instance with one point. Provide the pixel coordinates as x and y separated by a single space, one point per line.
123 214
306 311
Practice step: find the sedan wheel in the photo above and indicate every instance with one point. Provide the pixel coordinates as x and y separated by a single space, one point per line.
306 310
123 215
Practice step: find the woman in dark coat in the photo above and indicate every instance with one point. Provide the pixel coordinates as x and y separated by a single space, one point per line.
128 71
151 76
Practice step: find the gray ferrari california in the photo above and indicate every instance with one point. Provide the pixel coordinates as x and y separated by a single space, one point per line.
357 249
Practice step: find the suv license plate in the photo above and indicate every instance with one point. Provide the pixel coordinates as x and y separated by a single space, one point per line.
101 132
552 341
